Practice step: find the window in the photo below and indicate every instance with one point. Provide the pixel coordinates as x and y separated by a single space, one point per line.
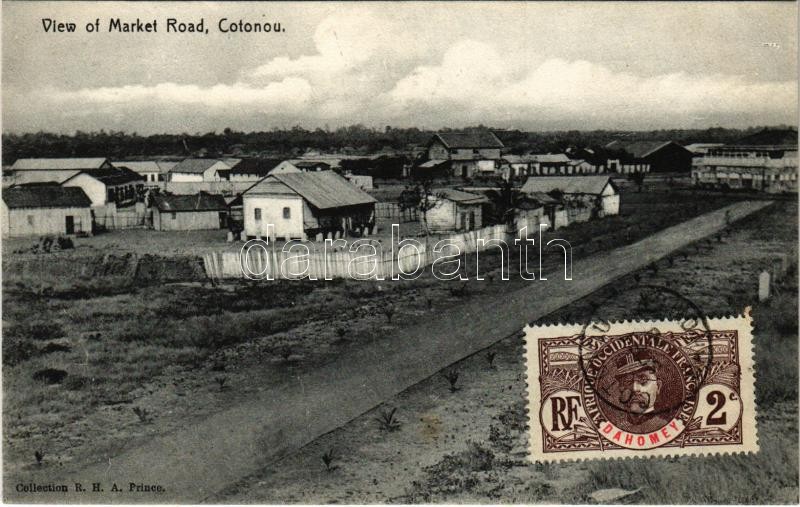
173 215
258 214
287 213
30 219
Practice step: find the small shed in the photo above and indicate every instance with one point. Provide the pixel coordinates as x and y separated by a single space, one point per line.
598 193
42 209
455 210
189 212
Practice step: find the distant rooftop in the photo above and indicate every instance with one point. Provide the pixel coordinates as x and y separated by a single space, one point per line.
51 164
769 137
476 139
568 184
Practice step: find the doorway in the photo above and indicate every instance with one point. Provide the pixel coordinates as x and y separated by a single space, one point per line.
70 224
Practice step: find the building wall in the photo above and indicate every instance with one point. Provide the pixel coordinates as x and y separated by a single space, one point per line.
43 221
471 168
437 151
185 220
271 207
245 177
186 177
446 216
670 158
94 188
609 202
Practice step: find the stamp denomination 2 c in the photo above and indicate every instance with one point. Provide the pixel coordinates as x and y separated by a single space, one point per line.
641 388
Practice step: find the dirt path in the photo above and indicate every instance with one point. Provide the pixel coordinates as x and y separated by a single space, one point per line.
194 463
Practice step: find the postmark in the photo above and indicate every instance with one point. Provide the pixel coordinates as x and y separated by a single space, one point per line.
641 388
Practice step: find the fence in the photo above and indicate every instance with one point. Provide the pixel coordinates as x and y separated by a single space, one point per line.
264 263
393 211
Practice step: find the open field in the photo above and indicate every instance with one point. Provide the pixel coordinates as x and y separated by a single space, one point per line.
181 351
468 445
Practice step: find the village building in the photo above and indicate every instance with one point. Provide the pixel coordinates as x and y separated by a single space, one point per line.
303 205
253 169
118 186
547 164
41 170
153 171
196 170
430 169
455 210
583 196
470 153
189 212
514 166
764 161
661 156
40 209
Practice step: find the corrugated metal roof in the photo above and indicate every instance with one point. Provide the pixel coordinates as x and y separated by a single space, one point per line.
548 157
39 164
199 202
257 166
45 196
477 139
112 176
323 189
639 149
452 194
566 184
145 166
194 165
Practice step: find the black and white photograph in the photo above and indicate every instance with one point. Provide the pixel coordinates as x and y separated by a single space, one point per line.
411 252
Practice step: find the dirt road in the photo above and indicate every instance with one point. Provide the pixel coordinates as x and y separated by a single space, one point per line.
198 461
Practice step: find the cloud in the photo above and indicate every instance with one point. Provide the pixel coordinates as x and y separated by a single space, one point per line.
290 93
473 76
384 70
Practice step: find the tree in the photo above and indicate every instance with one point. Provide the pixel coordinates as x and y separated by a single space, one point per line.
506 203
637 178
420 197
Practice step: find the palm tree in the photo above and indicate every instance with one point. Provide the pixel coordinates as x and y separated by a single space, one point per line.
506 201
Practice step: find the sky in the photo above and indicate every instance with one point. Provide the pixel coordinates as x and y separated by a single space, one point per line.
532 66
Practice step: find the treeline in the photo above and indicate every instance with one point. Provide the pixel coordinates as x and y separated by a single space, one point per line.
354 139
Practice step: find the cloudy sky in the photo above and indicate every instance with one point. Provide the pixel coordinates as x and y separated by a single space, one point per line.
537 66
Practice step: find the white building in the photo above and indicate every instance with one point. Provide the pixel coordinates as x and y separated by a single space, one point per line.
194 170
597 193
455 210
305 205
44 209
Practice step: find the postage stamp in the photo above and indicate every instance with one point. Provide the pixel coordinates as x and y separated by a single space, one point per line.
641 388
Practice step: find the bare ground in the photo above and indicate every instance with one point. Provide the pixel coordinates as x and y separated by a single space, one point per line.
468 445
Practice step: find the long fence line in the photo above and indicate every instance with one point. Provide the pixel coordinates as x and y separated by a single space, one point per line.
262 262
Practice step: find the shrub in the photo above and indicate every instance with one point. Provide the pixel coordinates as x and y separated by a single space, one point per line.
76 383
17 350
50 376
328 458
452 378
54 347
387 420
